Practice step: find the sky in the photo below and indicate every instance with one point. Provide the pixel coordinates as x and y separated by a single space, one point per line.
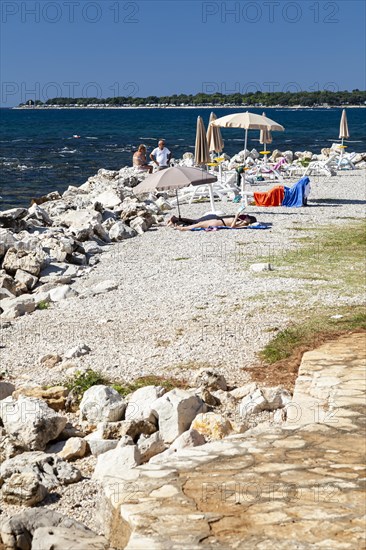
107 48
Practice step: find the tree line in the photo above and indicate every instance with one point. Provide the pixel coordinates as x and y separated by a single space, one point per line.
265 99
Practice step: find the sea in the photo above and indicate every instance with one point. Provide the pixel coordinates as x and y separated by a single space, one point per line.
39 153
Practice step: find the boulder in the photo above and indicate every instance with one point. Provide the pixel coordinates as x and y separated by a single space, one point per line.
97 445
38 213
62 292
27 531
112 463
30 422
243 391
175 412
163 204
23 489
9 284
16 307
9 217
74 448
26 279
140 225
150 445
277 398
55 397
265 399
108 199
31 261
7 240
6 389
101 403
120 231
210 379
139 406
252 403
132 428
212 425
50 470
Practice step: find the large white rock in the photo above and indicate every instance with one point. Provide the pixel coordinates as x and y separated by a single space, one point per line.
140 402
175 412
74 448
112 463
108 199
15 307
62 292
50 469
31 261
150 445
30 422
212 425
25 278
98 445
121 231
23 489
265 399
102 404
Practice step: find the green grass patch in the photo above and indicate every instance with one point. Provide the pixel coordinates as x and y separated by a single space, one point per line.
180 259
83 380
308 333
43 305
334 254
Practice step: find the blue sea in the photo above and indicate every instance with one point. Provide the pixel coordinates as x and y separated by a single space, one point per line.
39 154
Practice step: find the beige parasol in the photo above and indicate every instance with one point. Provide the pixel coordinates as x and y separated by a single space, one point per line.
201 153
174 178
265 135
248 121
343 128
214 138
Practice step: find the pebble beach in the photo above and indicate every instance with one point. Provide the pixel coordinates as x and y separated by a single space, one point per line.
184 301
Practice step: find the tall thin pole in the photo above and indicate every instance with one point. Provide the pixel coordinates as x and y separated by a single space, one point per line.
245 148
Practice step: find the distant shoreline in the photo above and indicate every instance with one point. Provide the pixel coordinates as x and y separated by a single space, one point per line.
245 107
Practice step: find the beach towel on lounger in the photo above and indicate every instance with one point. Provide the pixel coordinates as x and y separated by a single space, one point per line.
273 197
294 196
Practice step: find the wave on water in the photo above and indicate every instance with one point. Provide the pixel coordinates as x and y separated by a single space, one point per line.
67 150
90 137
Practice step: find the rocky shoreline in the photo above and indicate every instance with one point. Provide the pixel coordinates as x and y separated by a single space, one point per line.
56 452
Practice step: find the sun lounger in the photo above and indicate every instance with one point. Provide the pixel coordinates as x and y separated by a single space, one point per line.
292 197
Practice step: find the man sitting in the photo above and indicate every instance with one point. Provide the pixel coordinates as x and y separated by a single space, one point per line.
161 155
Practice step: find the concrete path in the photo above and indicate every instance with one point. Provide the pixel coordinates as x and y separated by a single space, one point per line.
298 486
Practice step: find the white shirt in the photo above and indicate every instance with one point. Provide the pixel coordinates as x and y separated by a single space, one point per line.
161 155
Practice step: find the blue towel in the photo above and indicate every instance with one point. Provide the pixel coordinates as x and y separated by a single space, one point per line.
255 226
294 196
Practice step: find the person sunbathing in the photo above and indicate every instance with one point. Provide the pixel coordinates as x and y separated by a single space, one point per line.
211 220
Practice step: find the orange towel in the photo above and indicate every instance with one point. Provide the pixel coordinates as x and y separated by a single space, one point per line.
274 197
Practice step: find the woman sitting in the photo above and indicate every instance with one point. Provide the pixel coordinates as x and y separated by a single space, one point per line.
140 161
211 220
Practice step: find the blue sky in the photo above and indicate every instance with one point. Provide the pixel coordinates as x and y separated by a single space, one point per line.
112 47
